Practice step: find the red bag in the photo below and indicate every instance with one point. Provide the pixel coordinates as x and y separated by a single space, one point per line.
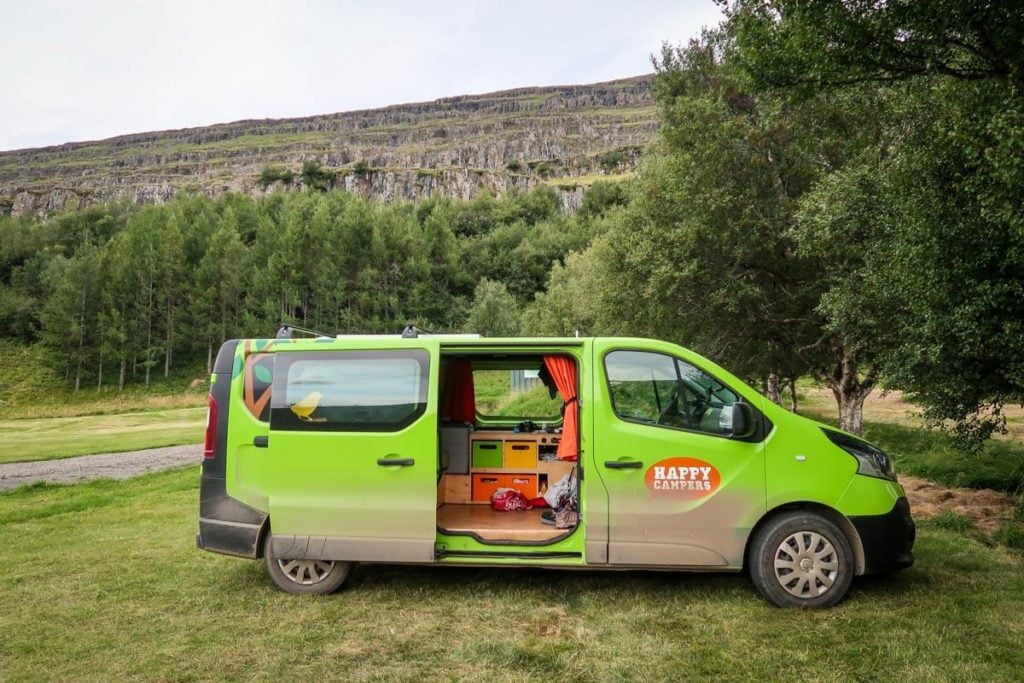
507 500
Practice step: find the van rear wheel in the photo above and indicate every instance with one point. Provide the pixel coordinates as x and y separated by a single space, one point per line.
304 576
801 559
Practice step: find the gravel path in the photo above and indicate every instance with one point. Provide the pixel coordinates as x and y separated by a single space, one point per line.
113 465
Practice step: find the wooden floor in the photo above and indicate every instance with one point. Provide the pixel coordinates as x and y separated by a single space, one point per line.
492 525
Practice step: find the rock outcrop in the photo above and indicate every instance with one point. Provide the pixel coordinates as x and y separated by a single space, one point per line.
565 136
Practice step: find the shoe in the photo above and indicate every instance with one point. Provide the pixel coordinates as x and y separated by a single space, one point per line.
548 517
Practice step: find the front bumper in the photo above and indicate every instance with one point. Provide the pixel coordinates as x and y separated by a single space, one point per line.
888 540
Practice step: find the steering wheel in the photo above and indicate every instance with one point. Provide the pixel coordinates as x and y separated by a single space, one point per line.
671 410
694 408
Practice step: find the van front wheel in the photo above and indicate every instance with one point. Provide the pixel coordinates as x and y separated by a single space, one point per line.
800 559
304 577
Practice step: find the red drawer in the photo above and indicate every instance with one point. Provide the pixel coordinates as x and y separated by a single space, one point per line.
484 485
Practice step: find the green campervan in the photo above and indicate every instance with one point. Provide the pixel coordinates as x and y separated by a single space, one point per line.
328 451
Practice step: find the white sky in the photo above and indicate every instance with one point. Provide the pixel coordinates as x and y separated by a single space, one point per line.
87 70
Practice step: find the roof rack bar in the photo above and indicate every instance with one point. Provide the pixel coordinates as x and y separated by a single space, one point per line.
287 330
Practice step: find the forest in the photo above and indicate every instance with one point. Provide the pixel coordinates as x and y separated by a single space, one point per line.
837 190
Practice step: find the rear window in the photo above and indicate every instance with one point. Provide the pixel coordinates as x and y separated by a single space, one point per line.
349 390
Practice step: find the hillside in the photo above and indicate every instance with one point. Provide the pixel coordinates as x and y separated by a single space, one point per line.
457 146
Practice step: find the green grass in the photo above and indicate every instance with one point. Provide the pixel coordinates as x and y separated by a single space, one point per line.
102 581
29 388
60 437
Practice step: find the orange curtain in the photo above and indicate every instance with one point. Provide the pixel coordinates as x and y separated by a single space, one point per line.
458 400
563 372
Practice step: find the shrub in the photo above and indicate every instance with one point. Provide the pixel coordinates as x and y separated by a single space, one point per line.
951 521
316 177
611 160
273 174
1011 535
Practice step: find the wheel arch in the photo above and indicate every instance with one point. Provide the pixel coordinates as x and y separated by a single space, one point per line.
262 537
831 514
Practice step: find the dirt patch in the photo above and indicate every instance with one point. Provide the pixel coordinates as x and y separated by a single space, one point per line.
987 509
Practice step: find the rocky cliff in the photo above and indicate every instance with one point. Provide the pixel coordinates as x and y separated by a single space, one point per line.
566 136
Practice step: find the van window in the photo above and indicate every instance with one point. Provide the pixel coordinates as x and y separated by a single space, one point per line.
515 393
652 388
349 390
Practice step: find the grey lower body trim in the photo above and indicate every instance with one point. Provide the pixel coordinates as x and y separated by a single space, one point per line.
353 549
597 552
664 555
229 538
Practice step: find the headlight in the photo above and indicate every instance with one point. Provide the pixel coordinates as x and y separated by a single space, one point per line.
871 460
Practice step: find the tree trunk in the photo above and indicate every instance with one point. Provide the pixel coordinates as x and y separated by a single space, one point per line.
792 394
209 355
81 342
849 389
773 388
851 412
99 371
149 331
169 352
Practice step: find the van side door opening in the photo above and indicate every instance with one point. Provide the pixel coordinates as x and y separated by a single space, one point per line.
501 427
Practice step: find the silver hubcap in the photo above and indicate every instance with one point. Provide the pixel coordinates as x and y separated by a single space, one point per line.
806 564
306 572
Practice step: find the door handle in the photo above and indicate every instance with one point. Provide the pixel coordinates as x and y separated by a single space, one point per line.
395 462
623 464
261 441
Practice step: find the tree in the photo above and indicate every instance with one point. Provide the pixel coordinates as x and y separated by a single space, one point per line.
316 177
824 43
219 276
576 299
494 311
71 314
949 213
705 249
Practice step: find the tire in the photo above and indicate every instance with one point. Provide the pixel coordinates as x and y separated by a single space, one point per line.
304 577
800 559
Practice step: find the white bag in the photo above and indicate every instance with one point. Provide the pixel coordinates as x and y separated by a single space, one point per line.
563 488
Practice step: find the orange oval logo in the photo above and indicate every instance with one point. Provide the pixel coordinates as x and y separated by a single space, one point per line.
682 477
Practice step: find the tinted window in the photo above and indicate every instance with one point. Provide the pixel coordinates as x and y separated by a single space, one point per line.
656 389
350 390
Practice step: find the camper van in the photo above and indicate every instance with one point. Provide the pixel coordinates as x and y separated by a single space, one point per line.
582 453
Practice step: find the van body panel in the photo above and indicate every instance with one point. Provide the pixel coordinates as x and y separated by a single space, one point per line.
341 484
803 465
658 513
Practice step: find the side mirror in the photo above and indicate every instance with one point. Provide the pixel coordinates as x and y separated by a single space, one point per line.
743 422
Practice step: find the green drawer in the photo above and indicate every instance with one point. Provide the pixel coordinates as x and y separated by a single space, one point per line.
487 454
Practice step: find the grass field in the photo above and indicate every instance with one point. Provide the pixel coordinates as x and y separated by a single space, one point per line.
29 389
102 581
60 437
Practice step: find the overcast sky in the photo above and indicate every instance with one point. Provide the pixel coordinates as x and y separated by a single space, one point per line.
89 70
